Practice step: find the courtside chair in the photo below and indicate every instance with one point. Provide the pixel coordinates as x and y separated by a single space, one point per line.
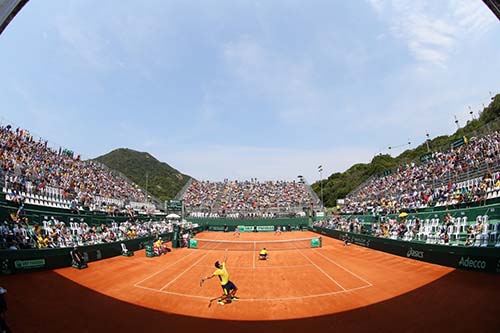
494 233
125 251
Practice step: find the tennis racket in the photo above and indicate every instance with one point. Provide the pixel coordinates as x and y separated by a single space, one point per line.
210 302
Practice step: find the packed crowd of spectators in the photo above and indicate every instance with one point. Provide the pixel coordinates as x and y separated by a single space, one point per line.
246 197
341 223
31 166
245 215
52 233
442 231
413 186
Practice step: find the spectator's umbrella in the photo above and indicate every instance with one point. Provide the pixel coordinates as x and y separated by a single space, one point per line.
403 214
173 216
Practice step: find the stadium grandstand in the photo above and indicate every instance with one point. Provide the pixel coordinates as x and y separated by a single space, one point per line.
466 173
53 199
449 197
36 174
244 199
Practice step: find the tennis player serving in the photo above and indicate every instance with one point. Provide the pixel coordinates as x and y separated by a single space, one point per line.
229 289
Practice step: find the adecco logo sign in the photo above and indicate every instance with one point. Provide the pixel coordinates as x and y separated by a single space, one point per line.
415 254
471 263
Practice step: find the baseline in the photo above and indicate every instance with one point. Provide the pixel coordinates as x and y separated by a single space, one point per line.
277 299
265 267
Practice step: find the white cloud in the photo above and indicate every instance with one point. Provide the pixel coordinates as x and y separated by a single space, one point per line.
472 16
432 30
428 39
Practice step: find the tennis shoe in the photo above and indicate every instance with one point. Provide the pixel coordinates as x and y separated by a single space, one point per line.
220 302
234 298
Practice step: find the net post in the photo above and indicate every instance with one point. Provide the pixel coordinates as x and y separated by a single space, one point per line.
316 242
193 243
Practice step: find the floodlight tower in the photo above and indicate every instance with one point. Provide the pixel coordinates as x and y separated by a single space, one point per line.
320 170
427 142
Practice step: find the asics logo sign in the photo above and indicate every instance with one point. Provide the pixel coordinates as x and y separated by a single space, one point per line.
415 254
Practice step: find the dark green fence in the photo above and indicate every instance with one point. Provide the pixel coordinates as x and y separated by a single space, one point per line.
36 214
30 260
478 206
470 258
231 224
493 212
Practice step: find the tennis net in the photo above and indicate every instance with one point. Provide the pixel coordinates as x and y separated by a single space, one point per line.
231 245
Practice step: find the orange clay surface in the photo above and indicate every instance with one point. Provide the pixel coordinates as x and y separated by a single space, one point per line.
352 288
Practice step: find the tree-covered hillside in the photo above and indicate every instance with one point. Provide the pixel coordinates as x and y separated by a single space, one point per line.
339 184
163 181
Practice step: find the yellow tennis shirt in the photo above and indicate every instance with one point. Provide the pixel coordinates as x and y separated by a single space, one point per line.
222 274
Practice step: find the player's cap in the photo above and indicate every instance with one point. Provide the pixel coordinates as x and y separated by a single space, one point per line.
217 264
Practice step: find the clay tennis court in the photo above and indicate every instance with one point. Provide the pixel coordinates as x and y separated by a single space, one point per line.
299 289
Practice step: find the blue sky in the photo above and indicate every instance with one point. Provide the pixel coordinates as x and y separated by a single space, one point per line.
247 89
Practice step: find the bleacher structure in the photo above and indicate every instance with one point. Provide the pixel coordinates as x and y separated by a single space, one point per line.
474 227
213 208
53 197
486 232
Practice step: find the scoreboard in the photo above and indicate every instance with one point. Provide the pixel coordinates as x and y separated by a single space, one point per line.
174 206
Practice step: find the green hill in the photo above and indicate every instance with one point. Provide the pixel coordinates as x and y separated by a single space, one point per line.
163 181
339 184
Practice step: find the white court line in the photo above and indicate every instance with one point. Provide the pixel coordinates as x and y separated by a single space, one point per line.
262 267
253 255
277 299
175 262
173 293
345 269
322 271
187 269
